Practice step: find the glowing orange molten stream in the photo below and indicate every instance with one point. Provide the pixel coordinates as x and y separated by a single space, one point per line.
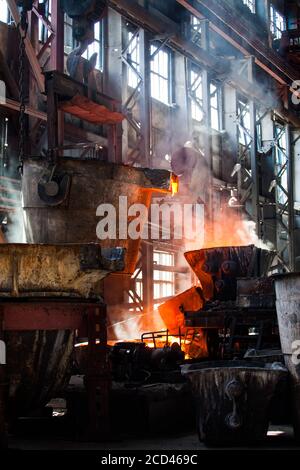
174 184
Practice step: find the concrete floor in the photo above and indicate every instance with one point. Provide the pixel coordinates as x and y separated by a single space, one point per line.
279 438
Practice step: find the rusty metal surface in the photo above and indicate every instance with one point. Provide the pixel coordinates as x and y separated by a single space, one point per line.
65 87
256 292
233 399
171 310
92 183
53 269
218 268
83 108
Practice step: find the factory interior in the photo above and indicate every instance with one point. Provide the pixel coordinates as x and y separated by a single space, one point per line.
149 225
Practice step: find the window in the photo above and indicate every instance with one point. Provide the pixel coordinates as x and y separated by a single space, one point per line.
160 68
68 34
4 12
133 54
163 279
277 23
244 123
138 285
196 95
259 137
44 33
160 74
196 30
96 46
281 162
250 4
215 100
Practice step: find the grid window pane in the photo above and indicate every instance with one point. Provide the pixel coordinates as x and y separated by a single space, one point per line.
95 46
277 22
164 280
133 58
68 35
244 121
43 30
214 118
195 30
163 258
196 93
250 4
3 11
215 107
281 163
160 75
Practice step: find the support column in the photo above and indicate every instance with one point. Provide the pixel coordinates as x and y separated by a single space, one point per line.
230 147
207 139
54 117
57 59
33 31
57 44
296 178
180 119
254 168
253 153
145 97
113 83
147 273
291 215
98 377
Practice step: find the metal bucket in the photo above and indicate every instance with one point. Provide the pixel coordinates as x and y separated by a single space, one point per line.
38 361
38 368
218 268
85 184
233 399
287 287
73 270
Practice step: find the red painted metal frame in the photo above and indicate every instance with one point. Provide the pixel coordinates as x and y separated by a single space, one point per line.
89 318
46 315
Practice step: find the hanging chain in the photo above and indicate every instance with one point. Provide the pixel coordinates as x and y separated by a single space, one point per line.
22 28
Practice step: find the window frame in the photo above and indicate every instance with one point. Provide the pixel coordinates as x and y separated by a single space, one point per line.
133 82
243 138
160 284
68 22
281 161
2 9
274 16
43 32
168 78
219 95
251 4
195 107
196 30
100 41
